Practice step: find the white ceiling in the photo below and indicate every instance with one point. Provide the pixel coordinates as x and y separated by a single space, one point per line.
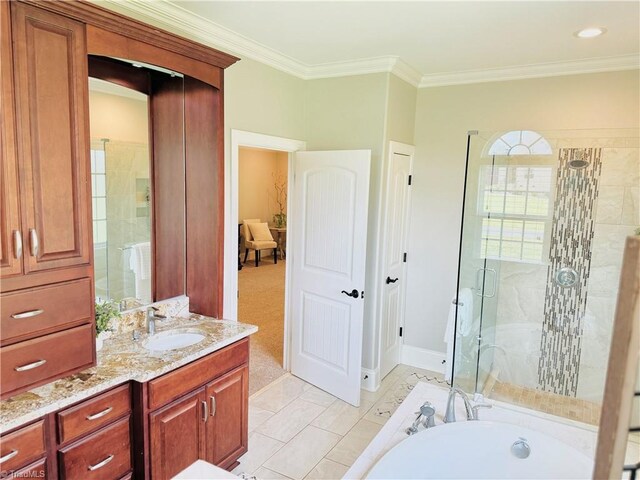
430 39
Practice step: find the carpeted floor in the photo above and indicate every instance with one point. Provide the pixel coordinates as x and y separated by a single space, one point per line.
261 303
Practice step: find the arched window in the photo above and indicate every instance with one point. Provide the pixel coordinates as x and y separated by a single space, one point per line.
520 142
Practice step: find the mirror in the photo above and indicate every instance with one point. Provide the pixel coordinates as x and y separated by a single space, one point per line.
137 174
121 193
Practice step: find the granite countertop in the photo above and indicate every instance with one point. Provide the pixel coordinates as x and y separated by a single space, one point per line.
121 360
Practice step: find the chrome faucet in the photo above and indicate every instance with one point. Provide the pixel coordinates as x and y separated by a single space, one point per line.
450 415
152 316
471 410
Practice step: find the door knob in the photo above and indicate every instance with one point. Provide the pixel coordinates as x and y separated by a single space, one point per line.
390 280
354 293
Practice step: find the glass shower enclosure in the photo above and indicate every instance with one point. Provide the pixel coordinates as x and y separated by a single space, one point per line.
545 218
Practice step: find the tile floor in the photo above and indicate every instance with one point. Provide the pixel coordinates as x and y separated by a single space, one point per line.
297 431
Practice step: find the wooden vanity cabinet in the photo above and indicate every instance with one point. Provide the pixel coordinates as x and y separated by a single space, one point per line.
199 411
52 220
46 300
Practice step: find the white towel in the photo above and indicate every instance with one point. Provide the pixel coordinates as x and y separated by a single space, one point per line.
140 260
464 322
140 263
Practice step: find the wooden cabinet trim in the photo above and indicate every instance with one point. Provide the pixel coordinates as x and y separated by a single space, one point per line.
134 29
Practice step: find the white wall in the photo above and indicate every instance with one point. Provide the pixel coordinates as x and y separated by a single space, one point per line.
349 113
443 117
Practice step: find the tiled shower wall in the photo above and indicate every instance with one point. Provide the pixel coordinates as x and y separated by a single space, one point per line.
127 169
520 312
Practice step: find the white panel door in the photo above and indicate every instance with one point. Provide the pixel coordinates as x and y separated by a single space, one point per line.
329 226
395 228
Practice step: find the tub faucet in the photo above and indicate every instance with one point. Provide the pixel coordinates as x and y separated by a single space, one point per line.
152 316
450 415
425 416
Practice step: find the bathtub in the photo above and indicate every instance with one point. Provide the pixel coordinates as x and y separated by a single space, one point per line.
482 449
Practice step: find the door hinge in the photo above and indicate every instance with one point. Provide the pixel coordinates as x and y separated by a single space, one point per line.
410 179
404 258
400 331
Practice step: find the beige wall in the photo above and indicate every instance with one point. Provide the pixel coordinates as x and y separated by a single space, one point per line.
118 118
257 171
443 117
349 113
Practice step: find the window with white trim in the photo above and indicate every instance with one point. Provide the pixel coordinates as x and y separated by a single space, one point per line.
514 203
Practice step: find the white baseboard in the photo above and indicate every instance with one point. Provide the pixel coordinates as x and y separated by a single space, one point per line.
370 380
423 358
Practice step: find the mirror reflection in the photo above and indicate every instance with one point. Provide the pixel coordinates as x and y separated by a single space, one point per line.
121 194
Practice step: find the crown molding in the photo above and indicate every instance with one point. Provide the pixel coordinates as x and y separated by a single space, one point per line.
555 69
174 18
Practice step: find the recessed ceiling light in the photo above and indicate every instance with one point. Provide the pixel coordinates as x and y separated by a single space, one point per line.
590 32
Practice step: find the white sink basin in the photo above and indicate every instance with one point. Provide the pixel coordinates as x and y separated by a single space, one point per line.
172 340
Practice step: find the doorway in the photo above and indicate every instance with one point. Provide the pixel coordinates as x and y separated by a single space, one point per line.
258 180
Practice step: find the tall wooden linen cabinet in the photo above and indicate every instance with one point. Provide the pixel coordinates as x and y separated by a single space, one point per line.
46 260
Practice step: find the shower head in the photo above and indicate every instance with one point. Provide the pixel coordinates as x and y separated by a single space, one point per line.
578 164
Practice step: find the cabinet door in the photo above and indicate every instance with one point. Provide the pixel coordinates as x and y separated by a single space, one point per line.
51 85
227 426
177 435
10 234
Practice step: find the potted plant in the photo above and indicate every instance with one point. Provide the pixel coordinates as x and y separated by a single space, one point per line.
105 312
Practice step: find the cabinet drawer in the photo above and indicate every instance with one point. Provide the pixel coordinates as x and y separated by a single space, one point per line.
22 447
185 379
35 470
104 455
37 311
93 414
31 363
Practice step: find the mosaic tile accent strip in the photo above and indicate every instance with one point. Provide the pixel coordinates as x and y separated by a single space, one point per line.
568 272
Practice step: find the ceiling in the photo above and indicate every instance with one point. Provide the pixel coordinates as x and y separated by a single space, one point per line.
429 41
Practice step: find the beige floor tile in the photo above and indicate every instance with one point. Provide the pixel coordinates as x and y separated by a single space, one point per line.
279 393
291 420
257 416
298 457
266 474
261 448
340 417
353 444
327 470
319 397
